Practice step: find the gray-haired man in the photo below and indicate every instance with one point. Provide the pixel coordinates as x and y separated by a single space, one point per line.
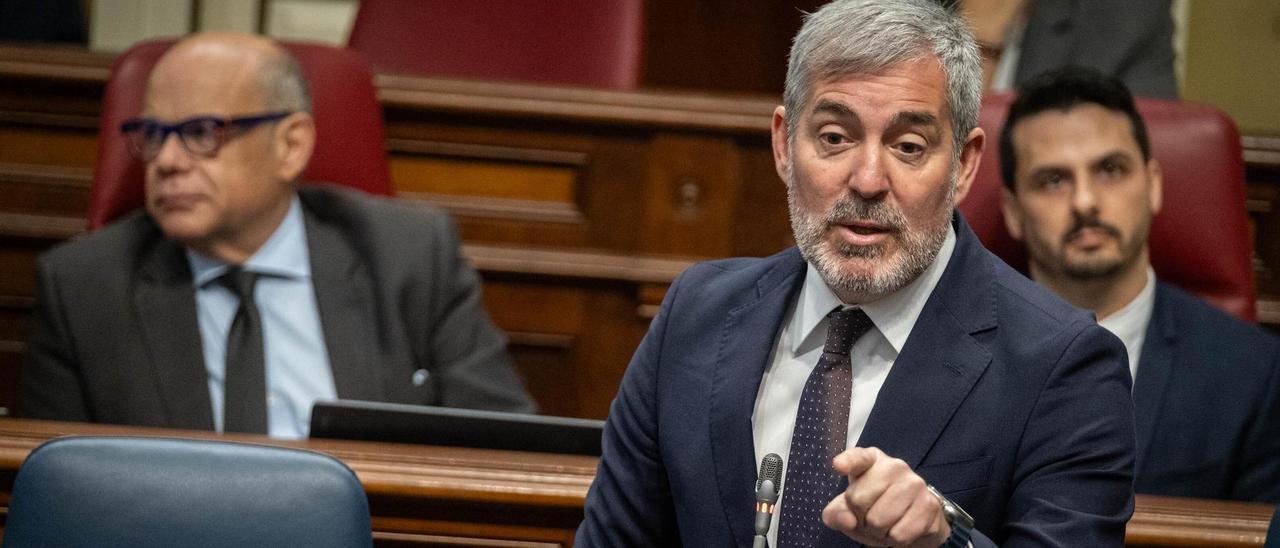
921 392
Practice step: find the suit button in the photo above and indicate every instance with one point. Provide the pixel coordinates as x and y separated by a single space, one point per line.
420 377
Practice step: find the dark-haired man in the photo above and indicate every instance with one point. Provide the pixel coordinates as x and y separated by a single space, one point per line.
1081 188
237 299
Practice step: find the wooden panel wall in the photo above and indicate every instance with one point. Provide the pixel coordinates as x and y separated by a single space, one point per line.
577 206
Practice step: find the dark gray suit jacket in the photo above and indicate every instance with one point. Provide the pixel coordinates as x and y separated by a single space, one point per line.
116 338
1207 404
1131 40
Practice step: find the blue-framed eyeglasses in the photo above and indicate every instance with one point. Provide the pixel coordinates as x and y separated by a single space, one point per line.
200 135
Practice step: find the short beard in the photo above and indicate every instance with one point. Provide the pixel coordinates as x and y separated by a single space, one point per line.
918 247
1091 268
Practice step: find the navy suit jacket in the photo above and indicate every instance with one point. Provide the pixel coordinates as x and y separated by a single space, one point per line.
1207 404
1011 402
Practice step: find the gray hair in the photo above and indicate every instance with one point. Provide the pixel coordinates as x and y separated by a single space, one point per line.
282 84
863 36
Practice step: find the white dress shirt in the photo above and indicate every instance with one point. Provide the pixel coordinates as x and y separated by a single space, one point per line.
800 343
1130 323
297 360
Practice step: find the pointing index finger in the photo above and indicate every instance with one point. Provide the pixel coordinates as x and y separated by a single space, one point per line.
853 462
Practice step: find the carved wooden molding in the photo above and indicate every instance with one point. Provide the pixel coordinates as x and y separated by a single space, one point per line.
742 114
574 264
1261 151
56 176
487 152
48 227
63 63
1162 520
498 208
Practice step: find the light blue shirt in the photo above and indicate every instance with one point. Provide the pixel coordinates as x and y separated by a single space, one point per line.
297 361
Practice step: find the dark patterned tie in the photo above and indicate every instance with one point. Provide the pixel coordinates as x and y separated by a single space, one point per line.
821 431
244 406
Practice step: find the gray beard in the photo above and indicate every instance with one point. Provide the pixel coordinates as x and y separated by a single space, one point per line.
918 248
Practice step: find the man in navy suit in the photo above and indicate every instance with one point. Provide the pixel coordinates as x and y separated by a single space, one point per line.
953 402
1081 188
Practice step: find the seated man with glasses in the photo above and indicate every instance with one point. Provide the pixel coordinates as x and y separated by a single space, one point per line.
237 299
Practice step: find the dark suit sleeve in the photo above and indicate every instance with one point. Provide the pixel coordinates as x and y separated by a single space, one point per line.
1258 478
474 365
51 385
1132 41
630 502
1074 482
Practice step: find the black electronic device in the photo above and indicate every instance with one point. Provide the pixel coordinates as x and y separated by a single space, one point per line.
449 426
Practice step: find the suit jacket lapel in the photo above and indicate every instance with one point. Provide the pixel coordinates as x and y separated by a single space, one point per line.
1155 367
165 303
940 362
346 301
749 334
938 365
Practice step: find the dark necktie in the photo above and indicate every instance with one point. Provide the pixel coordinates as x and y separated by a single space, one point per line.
821 431
244 406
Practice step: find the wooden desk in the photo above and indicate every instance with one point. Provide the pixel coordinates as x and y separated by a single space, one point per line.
441 496
418 495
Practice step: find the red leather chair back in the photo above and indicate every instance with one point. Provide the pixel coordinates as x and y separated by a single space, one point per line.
350 146
1200 239
594 43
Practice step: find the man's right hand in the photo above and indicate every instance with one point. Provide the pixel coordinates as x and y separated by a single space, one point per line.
886 503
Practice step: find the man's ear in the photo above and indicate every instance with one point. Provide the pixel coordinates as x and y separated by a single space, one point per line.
295 141
781 144
1012 213
970 157
1156 180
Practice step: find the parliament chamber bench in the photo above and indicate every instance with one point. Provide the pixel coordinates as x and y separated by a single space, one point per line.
577 206
454 497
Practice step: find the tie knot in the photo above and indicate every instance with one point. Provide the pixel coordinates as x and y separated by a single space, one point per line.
239 282
846 325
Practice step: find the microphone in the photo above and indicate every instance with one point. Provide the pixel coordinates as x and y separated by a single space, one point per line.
768 487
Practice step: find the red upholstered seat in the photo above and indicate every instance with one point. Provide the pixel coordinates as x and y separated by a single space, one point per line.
350 147
1200 239
594 43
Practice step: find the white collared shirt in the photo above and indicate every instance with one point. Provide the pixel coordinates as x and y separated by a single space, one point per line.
800 343
297 360
1130 323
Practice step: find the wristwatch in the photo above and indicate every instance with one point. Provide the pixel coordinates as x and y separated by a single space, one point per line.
960 521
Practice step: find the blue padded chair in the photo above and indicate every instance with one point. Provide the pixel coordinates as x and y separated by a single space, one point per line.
144 492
